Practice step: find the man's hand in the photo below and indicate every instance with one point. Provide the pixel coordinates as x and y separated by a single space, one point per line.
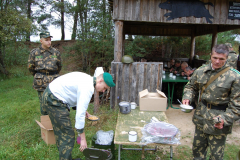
83 145
87 114
186 101
219 122
83 142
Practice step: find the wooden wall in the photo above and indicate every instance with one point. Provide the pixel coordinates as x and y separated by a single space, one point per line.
149 11
132 78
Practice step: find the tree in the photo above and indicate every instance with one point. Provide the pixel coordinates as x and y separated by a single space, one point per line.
14 25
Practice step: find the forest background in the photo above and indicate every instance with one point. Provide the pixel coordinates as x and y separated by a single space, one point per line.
92 31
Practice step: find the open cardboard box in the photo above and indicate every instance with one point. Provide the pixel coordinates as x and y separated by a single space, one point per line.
47 133
152 101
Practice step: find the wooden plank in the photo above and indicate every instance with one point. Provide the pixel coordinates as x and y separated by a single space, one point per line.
125 83
118 43
159 82
119 94
148 76
154 77
113 89
121 11
115 9
137 10
133 84
141 77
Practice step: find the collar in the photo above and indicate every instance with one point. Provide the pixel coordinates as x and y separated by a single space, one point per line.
94 81
209 67
43 50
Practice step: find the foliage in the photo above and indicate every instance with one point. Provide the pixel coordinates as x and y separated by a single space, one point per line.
13 25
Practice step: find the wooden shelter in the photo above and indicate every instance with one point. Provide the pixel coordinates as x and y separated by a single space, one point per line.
164 18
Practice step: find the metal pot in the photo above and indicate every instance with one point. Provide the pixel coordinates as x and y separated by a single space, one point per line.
125 107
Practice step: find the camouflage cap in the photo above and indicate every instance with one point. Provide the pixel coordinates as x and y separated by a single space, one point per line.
229 45
45 34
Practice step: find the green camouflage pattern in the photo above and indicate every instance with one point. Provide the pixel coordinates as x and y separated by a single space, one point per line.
60 117
225 90
44 60
40 93
232 59
203 141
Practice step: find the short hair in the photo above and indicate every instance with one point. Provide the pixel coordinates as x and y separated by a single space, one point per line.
187 68
173 60
220 49
185 64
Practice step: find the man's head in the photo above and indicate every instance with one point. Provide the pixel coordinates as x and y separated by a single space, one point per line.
229 45
177 63
45 39
188 71
184 65
219 56
103 82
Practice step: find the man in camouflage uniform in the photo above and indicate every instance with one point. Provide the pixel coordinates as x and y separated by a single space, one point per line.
232 57
44 63
177 67
219 104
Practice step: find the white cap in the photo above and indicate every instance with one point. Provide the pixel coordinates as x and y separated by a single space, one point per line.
98 71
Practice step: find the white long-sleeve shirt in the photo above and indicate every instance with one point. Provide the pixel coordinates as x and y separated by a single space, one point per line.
75 89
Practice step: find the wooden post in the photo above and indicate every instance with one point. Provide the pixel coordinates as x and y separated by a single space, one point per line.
118 43
214 37
192 48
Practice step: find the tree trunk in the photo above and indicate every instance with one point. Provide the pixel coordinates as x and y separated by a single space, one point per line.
74 31
2 66
29 17
62 20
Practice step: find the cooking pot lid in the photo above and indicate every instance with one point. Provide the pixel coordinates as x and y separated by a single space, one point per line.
124 104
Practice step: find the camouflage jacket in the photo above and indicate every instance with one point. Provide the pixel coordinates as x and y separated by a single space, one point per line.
232 59
176 69
225 90
41 61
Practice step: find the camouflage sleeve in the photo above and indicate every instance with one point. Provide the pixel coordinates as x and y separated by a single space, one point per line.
59 61
233 111
191 88
31 63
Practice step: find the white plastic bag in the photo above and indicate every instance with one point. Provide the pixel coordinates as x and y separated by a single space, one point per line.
104 138
160 132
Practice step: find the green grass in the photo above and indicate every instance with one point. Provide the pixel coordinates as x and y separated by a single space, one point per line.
20 136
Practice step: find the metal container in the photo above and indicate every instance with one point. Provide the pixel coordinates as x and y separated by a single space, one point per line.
125 107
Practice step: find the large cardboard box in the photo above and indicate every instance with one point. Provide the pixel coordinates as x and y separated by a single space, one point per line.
152 101
47 133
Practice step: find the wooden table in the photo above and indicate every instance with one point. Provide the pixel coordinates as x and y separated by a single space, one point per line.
135 121
167 79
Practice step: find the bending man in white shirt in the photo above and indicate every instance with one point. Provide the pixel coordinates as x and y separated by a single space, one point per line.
69 90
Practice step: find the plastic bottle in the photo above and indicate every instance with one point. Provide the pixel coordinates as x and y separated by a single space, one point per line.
78 140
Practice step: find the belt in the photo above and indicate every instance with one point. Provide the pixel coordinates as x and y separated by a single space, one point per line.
218 107
47 73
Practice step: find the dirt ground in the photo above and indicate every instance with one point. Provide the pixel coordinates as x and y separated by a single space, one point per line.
183 121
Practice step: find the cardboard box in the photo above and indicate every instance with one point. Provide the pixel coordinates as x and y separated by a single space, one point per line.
47 133
149 101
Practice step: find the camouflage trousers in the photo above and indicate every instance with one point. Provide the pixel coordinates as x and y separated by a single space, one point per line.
40 93
202 141
59 114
